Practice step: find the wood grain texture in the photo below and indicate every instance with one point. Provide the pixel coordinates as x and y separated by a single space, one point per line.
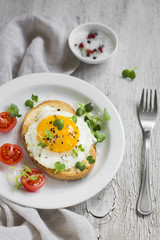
137 24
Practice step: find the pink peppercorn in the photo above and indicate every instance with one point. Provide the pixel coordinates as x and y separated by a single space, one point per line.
90 51
91 35
81 45
100 49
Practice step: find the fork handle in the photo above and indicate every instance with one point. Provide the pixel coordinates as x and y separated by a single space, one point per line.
144 205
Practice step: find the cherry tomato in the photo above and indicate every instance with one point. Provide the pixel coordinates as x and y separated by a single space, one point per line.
10 153
33 185
7 122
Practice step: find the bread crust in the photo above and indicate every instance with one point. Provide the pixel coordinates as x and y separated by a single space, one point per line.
68 174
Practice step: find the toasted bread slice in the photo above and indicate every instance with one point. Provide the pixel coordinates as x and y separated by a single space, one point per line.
68 174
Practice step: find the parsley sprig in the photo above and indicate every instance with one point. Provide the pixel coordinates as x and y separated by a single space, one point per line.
14 111
93 122
22 174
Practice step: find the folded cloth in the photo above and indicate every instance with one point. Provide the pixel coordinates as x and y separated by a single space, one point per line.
34 44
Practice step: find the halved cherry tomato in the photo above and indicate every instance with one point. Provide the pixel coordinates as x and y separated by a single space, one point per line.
7 122
33 185
10 153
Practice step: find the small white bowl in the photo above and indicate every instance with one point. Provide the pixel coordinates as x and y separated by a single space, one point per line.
88 28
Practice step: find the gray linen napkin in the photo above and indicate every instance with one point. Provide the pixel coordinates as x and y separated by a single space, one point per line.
34 44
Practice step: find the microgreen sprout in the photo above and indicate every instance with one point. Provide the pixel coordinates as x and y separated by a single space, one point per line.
58 123
90 159
88 107
80 166
23 173
34 99
74 118
93 122
59 167
99 137
129 73
80 111
106 116
90 123
75 152
80 148
14 111
29 103
42 144
48 134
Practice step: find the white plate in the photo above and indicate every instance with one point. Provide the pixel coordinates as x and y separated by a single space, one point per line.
57 193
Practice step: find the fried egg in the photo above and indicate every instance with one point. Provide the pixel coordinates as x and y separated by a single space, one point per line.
60 146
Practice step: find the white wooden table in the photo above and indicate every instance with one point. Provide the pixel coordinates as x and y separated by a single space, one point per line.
137 23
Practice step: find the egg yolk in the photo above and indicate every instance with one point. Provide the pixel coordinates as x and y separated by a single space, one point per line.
62 140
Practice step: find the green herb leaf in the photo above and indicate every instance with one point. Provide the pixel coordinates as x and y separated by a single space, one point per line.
74 118
90 124
106 116
81 148
88 107
22 174
58 123
35 177
97 127
42 144
18 185
129 73
80 166
27 168
86 118
96 118
14 111
29 103
90 159
59 167
75 152
80 111
48 134
34 98
99 137
132 75
125 73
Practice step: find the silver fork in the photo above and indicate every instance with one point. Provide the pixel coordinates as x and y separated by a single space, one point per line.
147 112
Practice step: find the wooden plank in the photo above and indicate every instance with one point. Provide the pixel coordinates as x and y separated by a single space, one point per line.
137 24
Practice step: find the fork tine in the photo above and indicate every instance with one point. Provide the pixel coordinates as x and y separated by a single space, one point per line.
147 105
155 101
150 105
141 105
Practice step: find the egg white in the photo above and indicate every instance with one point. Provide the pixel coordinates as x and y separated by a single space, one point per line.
48 158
